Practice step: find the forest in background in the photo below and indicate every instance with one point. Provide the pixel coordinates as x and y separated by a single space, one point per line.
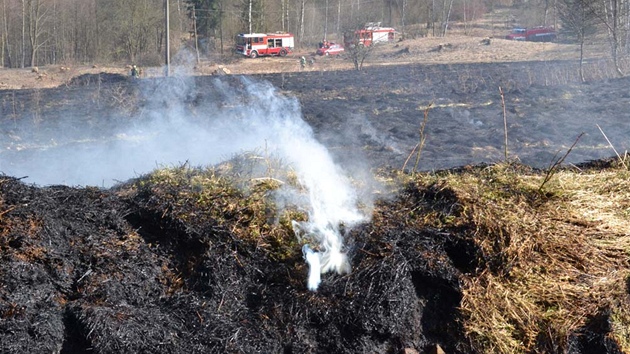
43 32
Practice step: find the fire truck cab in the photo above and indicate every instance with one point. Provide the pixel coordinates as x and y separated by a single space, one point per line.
254 45
370 34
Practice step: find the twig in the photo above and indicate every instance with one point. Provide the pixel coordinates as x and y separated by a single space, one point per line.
623 162
221 303
551 171
423 137
7 211
368 252
505 131
89 271
199 316
265 179
408 157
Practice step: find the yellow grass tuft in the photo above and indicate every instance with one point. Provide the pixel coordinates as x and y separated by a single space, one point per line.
553 260
237 196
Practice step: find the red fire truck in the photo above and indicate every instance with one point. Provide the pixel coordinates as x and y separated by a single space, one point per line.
254 45
534 34
370 34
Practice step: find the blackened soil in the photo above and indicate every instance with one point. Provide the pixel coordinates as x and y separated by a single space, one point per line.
371 117
90 270
376 114
86 270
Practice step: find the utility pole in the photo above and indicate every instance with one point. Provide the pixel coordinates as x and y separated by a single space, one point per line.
326 23
249 19
167 50
194 16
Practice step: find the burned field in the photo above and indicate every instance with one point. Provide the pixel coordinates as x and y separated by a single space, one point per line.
379 112
499 257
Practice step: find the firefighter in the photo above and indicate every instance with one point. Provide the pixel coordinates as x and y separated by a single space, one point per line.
302 62
135 72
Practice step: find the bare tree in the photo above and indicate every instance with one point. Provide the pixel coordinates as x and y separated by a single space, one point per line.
403 6
614 16
249 15
579 19
2 35
284 13
50 31
302 10
358 54
23 63
446 15
5 36
37 16
326 22
356 50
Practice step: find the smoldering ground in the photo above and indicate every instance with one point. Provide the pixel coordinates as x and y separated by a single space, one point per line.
144 268
172 122
546 109
371 116
229 302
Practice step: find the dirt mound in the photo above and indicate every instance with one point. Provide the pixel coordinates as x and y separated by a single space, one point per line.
84 268
182 261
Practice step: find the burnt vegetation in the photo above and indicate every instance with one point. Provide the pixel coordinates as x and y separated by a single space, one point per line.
476 259
186 260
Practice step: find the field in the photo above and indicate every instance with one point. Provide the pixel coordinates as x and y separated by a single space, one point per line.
383 106
169 214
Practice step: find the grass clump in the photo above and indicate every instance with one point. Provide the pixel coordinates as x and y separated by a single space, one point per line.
237 197
550 262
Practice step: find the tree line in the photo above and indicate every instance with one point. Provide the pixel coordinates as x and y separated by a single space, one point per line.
42 32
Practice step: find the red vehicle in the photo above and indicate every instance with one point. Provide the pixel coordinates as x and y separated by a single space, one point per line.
255 45
535 34
330 49
370 34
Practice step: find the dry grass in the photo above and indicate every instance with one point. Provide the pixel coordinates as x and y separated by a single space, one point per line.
461 47
237 195
549 261
553 261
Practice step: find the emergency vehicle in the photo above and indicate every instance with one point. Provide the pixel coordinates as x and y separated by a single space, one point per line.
370 34
535 34
255 45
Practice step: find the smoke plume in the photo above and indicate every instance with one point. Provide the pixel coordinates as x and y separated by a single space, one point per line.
240 116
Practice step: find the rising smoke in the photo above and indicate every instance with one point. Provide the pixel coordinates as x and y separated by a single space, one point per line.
240 116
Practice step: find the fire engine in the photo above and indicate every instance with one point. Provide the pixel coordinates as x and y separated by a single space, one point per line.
534 34
370 34
254 45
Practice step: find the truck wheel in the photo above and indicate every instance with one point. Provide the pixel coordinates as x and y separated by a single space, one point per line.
253 54
283 52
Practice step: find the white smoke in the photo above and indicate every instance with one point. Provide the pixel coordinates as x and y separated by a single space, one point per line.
245 116
333 201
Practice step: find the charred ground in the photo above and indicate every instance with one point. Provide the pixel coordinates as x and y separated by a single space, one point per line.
486 258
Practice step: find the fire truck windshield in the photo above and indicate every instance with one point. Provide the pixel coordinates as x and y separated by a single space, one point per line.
240 40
